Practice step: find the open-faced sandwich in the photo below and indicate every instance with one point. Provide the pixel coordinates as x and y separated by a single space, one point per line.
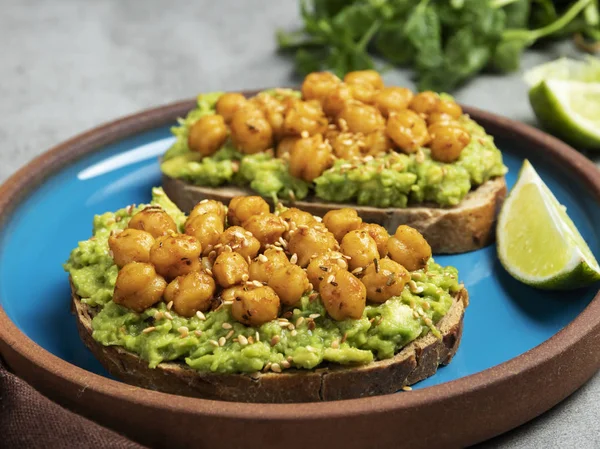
396 157
243 304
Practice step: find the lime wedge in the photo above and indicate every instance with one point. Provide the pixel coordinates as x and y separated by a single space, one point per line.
537 242
566 69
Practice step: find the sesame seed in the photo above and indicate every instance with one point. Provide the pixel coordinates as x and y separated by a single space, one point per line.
275 340
212 254
200 315
158 315
285 364
283 242
304 134
257 336
148 330
170 305
330 279
309 348
319 219
262 258
222 341
341 263
314 316
227 303
294 258
198 333
257 283
406 388
226 326
218 245
302 226
168 316
276 368
357 270
214 342
335 344
245 277
267 367
283 324
250 340
242 340
291 327
313 296
310 286
299 321
229 334
208 271
294 333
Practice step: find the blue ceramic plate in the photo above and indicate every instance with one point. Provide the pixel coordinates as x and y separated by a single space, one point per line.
505 318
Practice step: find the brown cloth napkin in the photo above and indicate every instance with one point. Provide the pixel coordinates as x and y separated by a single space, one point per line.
30 420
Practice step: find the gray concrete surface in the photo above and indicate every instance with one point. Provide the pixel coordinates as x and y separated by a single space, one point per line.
68 65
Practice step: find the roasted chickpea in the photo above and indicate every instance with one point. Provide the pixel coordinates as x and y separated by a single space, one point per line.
208 207
447 141
408 130
295 217
318 85
379 234
290 283
238 240
310 157
424 102
254 306
323 264
384 279
363 92
346 145
243 207
206 228
377 142
176 255
229 103
364 77
191 293
360 247
393 99
285 146
250 131
267 228
308 242
343 295
138 286
336 99
130 245
272 109
341 221
305 117
361 118
439 117
229 269
265 265
449 107
208 134
154 220
409 248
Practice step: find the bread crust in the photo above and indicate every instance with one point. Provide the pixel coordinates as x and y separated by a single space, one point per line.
451 230
417 361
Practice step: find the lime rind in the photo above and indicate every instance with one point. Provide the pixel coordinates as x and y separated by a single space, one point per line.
566 69
580 270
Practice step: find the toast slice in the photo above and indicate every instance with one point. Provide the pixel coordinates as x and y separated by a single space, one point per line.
465 227
417 361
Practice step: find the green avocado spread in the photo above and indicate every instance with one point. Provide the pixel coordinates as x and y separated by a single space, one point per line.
391 180
205 344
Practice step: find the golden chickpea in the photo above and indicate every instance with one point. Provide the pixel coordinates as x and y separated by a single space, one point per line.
364 77
176 255
206 228
439 117
154 220
243 207
336 99
191 293
238 240
267 228
285 146
346 145
377 142
449 107
250 131
130 245
447 141
341 221
318 85
295 217
208 134
254 306
408 130
265 265
409 248
379 234
229 269
272 109
424 102
393 99
360 247
384 279
290 283
363 92
361 118
308 242
343 295
208 207
310 157
323 264
138 286
229 103
305 116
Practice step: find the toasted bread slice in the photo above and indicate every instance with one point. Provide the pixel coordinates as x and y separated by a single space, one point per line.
465 227
417 361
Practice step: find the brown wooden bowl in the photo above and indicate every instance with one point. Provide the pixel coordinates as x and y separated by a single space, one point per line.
453 414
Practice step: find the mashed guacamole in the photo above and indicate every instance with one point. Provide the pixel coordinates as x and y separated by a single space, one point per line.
216 342
393 180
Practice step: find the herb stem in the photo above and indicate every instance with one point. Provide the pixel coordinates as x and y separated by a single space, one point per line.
364 41
497 4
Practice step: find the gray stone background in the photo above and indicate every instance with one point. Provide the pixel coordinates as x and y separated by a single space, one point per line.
69 65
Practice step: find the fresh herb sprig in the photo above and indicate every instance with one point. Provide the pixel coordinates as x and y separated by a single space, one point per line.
445 41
